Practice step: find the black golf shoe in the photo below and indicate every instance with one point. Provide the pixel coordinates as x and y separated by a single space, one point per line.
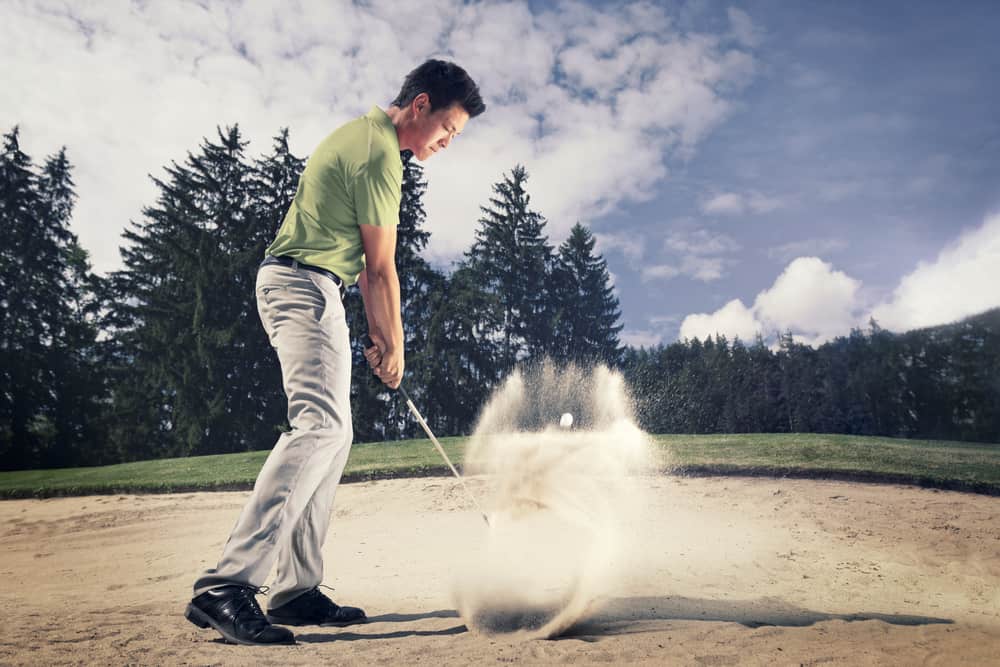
234 612
314 608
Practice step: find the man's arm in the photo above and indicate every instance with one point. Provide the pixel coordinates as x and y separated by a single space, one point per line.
379 285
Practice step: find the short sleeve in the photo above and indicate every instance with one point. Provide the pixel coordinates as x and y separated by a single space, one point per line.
377 192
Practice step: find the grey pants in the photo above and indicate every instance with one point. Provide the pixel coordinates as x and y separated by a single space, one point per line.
287 515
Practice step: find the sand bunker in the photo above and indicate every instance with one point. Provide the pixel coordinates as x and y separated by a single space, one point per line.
556 499
734 572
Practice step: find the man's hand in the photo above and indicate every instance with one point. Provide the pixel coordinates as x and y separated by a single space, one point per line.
387 365
390 370
373 354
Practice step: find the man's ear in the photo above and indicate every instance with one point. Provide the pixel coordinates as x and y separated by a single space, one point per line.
420 101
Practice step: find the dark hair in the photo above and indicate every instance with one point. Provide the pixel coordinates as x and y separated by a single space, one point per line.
445 83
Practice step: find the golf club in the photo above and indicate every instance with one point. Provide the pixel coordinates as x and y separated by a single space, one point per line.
368 343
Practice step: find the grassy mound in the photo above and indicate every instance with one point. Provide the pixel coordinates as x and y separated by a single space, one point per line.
947 465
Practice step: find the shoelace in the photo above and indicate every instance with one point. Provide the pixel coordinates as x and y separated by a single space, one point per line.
246 596
318 596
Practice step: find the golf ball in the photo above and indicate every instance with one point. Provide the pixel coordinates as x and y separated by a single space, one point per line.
566 420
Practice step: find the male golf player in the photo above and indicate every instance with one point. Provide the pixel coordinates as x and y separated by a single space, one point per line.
339 230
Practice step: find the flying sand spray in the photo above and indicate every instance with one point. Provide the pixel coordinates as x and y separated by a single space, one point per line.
559 450
554 545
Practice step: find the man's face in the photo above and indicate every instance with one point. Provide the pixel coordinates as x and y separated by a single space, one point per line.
434 130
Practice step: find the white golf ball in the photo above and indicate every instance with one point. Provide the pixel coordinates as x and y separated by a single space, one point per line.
566 420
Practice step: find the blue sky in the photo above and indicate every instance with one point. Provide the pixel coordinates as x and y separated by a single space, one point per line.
748 166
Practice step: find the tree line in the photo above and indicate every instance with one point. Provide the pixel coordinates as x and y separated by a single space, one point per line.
166 356
936 383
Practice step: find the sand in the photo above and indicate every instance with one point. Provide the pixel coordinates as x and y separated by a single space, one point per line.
729 571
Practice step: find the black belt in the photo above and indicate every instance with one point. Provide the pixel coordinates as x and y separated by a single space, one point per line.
296 264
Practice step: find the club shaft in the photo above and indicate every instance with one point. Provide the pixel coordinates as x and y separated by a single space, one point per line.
427 430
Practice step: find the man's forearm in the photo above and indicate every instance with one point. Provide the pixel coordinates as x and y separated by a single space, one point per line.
380 291
369 317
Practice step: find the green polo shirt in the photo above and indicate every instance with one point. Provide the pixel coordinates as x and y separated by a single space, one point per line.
353 178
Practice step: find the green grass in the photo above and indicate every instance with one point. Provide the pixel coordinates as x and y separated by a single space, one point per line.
949 465
942 464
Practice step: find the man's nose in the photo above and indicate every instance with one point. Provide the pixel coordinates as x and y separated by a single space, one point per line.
445 141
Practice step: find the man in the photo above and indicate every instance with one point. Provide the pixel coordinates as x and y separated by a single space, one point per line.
340 229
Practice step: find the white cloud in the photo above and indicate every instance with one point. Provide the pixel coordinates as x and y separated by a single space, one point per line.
732 203
631 246
817 303
705 269
810 297
727 203
963 280
660 271
732 320
699 254
700 242
641 337
129 87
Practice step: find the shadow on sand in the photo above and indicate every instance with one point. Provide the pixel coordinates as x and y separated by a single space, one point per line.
620 615
334 634
625 616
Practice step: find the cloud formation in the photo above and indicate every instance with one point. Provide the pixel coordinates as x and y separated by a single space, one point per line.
817 302
809 298
961 281
596 103
700 254
733 203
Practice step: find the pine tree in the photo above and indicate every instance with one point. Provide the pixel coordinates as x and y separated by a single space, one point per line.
51 383
23 305
192 347
76 377
510 260
464 350
587 318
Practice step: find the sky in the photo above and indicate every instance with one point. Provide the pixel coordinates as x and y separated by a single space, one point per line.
746 167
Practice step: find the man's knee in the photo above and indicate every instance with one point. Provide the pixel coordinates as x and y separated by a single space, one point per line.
329 434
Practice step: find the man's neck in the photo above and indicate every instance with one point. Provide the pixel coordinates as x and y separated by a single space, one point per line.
396 115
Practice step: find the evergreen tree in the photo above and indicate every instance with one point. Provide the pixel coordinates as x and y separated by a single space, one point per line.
510 261
192 350
587 318
465 352
22 307
76 378
51 385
